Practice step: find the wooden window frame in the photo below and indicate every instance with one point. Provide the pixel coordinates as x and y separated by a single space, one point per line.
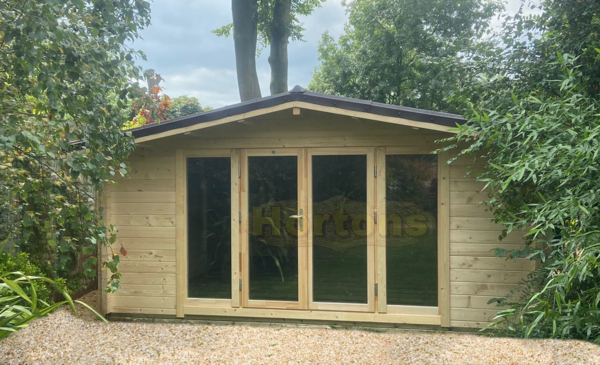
300 154
181 216
376 308
335 306
443 239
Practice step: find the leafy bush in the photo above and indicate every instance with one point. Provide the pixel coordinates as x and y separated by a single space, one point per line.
543 171
63 63
21 303
21 263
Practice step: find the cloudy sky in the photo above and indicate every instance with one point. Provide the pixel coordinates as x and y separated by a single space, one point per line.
179 45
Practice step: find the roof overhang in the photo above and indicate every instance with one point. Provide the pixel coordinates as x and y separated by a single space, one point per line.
299 98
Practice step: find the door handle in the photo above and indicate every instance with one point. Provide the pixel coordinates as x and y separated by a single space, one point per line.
300 218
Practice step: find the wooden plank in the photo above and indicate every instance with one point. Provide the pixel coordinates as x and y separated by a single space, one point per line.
341 307
145 243
142 197
475 224
145 232
467 324
371 203
245 230
444 199
464 172
478 315
467 186
346 141
468 236
414 310
146 152
380 230
142 208
154 159
461 197
151 173
235 228
146 290
126 185
310 254
140 267
150 279
480 250
180 224
134 310
433 320
134 303
325 125
486 289
471 210
159 220
487 276
149 255
473 301
274 304
303 233
490 263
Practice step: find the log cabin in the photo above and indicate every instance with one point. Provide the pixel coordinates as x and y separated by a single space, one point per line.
306 207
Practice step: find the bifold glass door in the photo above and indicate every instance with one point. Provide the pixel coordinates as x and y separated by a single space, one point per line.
341 250
317 228
411 220
271 252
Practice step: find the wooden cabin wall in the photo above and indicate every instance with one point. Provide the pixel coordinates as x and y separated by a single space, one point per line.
476 275
143 208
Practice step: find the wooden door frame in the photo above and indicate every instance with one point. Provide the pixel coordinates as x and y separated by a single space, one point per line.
377 271
181 218
334 306
443 240
245 230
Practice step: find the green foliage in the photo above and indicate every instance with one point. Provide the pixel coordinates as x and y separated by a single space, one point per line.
411 53
20 262
185 105
21 303
61 64
534 119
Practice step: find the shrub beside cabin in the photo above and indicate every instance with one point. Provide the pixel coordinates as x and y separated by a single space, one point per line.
303 206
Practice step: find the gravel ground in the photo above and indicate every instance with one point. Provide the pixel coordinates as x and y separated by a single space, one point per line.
63 338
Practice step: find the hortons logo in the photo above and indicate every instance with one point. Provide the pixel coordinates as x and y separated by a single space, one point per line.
340 224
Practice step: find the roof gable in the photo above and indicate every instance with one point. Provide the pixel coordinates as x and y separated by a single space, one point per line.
298 97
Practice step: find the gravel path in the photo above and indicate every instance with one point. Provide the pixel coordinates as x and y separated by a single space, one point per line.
85 340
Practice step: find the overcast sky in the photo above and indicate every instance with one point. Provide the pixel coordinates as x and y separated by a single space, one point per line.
180 46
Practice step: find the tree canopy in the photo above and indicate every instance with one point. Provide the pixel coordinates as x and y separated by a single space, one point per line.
185 105
403 52
62 65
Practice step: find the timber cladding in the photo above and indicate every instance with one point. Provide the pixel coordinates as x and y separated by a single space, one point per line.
149 209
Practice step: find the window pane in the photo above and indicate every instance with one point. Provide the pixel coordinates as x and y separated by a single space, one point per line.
339 229
411 207
209 227
273 251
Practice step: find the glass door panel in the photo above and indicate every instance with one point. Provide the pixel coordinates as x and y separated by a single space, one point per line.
339 234
273 228
209 227
411 219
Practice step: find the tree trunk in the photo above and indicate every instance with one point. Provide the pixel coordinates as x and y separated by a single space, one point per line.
244 38
279 34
